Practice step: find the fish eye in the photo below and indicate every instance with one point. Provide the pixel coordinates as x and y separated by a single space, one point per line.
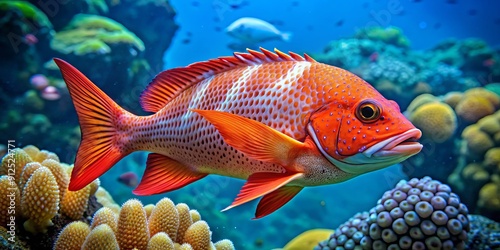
368 111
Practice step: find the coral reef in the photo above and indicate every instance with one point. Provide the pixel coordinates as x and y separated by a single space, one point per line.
72 236
87 34
484 233
437 121
83 32
419 214
52 221
477 178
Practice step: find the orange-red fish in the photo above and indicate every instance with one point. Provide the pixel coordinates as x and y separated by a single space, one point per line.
280 121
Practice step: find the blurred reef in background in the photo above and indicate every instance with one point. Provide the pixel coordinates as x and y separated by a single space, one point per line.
113 42
451 92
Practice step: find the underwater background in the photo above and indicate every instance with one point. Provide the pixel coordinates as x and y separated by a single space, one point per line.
439 60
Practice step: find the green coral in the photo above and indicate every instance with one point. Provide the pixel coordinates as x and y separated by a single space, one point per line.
28 11
97 6
92 46
389 35
92 34
493 87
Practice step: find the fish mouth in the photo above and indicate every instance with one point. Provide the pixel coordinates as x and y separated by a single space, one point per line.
405 144
383 154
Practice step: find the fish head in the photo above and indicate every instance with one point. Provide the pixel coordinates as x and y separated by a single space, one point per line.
366 135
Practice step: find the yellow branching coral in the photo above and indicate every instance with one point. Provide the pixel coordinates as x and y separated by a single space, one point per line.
14 162
489 124
195 216
104 216
436 120
45 155
198 235
105 199
160 241
493 98
149 209
132 226
101 237
9 201
478 142
308 239
473 107
184 221
184 246
489 197
40 201
453 98
72 236
164 218
59 173
74 203
224 245
421 100
492 158
28 170
476 173
31 150
94 186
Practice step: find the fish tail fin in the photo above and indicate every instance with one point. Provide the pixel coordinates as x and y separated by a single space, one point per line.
286 36
99 118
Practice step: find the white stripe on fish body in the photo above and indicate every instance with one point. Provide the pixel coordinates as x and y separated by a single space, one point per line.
234 93
202 88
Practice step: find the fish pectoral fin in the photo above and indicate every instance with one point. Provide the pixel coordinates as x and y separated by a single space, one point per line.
262 183
255 139
276 199
164 174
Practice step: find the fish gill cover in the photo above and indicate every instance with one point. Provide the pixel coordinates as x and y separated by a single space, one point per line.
444 75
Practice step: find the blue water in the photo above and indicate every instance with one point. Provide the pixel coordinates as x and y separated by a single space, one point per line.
314 23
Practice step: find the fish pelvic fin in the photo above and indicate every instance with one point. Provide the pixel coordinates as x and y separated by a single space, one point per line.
99 118
164 174
262 183
276 199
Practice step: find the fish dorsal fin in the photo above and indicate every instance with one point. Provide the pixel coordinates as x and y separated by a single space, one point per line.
169 83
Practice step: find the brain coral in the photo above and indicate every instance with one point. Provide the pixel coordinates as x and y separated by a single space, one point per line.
198 235
72 236
436 120
164 218
474 107
74 203
160 241
102 237
40 201
418 214
132 226
104 216
10 197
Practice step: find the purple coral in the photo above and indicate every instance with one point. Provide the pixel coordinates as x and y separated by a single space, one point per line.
416 214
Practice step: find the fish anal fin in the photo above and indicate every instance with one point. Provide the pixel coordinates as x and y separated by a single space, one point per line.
262 183
276 199
170 83
254 138
164 174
